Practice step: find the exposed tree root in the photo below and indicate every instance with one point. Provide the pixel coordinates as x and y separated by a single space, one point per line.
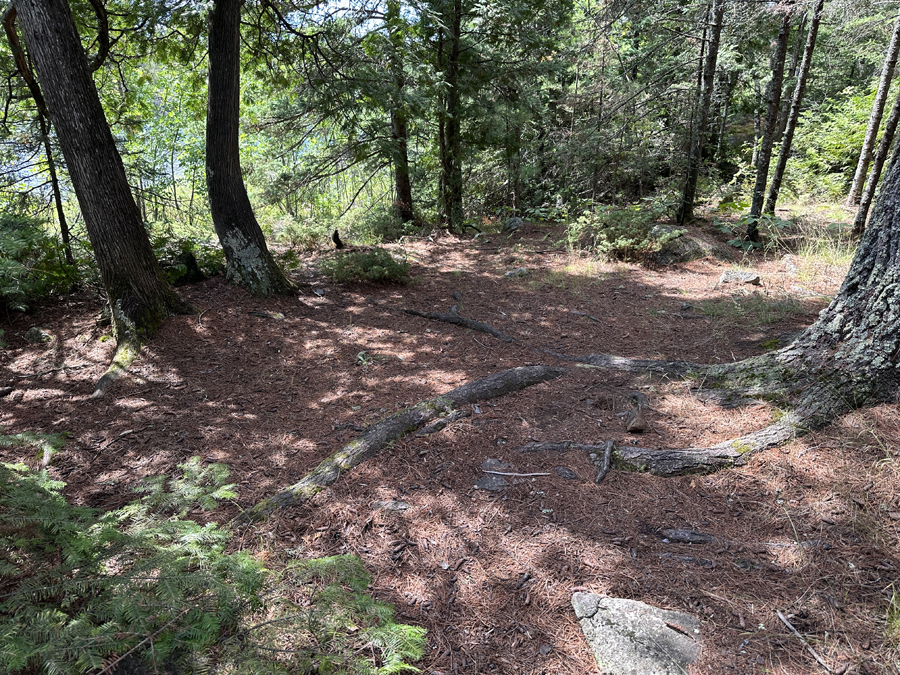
397 426
668 463
126 353
454 318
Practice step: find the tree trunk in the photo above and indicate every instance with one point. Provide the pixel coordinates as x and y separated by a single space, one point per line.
884 85
249 263
698 137
794 114
757 124
791 72
139 296
884 148
451 155
402 183
768 139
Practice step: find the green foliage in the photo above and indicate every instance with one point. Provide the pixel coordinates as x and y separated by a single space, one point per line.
375 265
771 228
628 233
826 147
46 444
82 590
170 247
31 261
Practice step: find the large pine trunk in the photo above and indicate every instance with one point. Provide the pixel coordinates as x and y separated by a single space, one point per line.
249 263
139 296
884 85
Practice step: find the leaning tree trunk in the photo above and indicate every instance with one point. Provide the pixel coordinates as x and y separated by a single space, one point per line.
884 85
249 263
794 115
698 137
139 296
884 149
765 150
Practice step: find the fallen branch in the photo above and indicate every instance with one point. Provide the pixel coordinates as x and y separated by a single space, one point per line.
588 316
517 475
661 367
63 367
803 640
669 463
454 318
439 425
397 426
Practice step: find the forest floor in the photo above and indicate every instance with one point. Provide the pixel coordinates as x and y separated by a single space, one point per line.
809 529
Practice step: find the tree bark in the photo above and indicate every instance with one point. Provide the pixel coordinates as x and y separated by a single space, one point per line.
794 115
884 85
139 296
884 148
249 263
451 147
402 184
768 139
698 137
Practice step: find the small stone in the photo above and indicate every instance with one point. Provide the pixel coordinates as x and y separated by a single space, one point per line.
18 396
566 473
518 272
513 224
740 277
37 336
686 307
392 505
686 536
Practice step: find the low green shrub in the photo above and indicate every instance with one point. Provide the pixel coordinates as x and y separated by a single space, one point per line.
31 262
375 265
145 589
628 233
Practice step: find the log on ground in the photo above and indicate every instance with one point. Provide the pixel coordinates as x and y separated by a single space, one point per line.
397 426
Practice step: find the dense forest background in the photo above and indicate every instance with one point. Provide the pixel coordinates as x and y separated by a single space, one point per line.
381 119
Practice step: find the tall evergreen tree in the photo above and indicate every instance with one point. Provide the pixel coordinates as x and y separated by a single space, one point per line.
139 297
249 263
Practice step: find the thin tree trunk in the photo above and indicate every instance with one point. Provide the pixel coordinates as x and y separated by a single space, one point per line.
884 85
757 125
884 148
765 150
794 115
451 160
791 72
698 137
57 194
402 183
249 263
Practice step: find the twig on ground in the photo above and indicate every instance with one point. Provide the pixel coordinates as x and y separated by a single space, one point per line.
53 370
803 640
458 320
587 316
517 475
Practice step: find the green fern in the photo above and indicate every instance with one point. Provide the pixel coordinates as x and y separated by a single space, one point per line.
80 590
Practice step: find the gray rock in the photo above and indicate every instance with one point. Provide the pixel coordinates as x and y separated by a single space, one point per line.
491 481
518 272
739 277
566 473
685 247
686 536
37 336
513 224
632 638
392 505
